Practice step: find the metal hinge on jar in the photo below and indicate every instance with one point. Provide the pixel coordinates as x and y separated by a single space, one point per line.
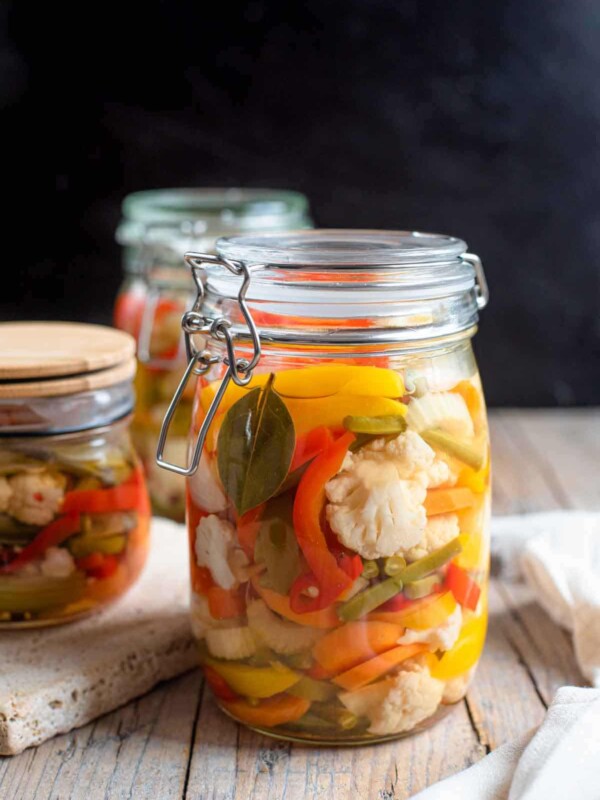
239 370
482 292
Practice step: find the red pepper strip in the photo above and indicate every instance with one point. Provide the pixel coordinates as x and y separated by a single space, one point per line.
465 590
310 445
351 564
50 536
247 528
131 495
98 565
301 602
308 505
397 603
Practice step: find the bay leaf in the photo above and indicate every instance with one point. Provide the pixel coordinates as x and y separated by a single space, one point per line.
255 447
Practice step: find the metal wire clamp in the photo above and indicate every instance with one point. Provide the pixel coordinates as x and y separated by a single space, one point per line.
482 293
239 370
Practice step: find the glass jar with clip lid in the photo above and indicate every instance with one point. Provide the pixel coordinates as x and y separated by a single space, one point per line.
338 480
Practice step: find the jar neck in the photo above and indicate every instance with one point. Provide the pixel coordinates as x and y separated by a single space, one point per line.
43 416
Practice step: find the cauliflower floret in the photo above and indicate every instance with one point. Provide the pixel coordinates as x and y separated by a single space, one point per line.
456 688
411 454
439 530
373 511
5 494
441 638
36 497
376 500
205 490
214 538
57 563
413 697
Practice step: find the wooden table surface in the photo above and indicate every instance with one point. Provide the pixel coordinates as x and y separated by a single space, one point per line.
173 743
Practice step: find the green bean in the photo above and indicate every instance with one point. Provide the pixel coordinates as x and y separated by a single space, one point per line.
339 716
315 691
421 588
370 570
471 453
431 562
381 426
370 598
394 565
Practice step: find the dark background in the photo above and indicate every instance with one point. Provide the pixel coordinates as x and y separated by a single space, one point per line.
474 118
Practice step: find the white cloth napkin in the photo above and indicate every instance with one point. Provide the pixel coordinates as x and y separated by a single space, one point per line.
559 761
558 554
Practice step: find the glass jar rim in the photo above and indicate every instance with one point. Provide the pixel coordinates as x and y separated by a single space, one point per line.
194 211
350 286
343 248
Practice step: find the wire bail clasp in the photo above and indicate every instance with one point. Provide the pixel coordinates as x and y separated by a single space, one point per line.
482 293
200 360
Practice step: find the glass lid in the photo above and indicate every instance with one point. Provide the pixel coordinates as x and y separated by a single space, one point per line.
227 208
345 285
341 248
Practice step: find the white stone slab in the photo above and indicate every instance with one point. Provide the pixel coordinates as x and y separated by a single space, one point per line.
56 679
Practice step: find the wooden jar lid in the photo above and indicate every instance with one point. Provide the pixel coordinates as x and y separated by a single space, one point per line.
44 359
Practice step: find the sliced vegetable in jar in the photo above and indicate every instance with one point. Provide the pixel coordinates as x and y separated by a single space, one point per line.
431 562
256 682
308 505
20 594
378 426
373 597
470 452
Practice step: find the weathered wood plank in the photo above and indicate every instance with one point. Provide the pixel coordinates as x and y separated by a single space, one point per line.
520 476
545 648
503 698
569 447
140 751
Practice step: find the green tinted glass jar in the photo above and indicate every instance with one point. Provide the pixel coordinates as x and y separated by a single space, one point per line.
157 228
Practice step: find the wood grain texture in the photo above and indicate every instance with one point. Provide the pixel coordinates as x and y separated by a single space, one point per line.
174 743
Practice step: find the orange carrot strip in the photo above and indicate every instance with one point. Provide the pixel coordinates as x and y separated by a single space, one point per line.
271 712
446 501
353 643
368 671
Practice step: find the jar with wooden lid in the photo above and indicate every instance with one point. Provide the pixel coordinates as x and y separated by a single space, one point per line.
157 228
338 480
74 510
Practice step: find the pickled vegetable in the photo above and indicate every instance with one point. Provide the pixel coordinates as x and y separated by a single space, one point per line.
73 525
37 593
347 556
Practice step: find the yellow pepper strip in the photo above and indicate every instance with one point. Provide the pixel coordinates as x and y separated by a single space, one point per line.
422 615
322 381
473 551
330 411
465 652
257 682
475 480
